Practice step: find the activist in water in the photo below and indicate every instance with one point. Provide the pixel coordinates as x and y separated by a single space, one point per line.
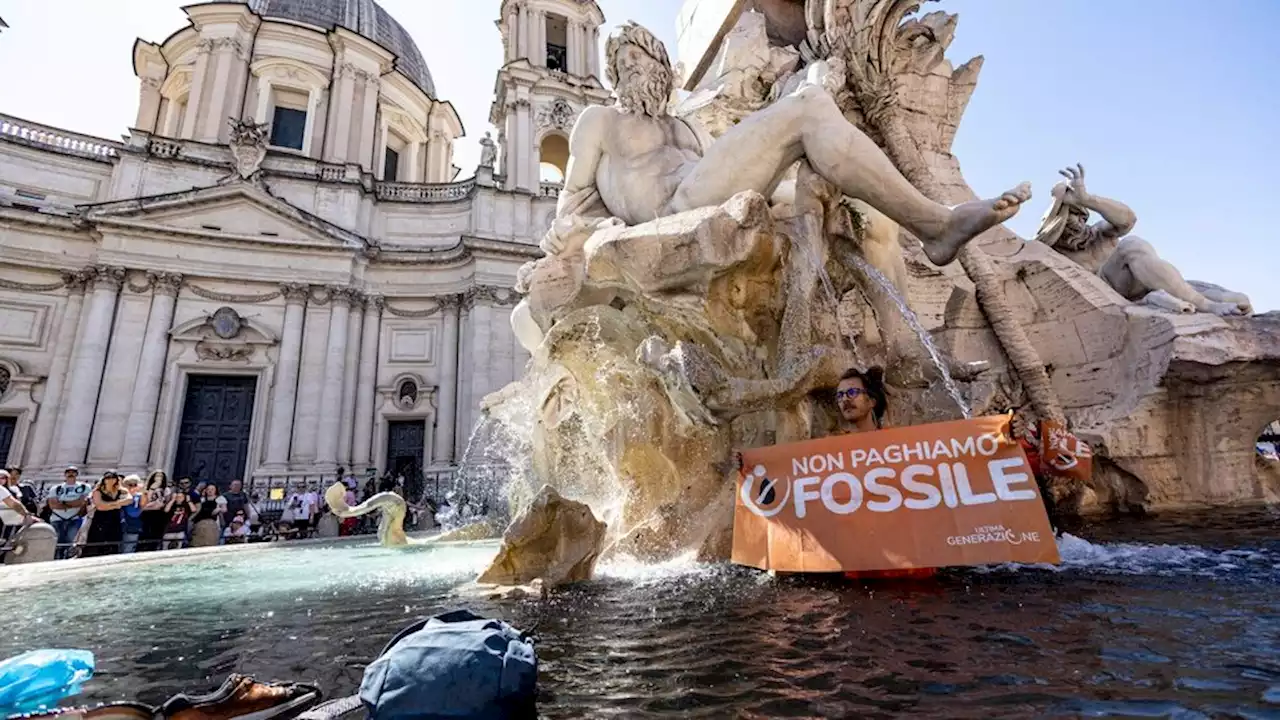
863 403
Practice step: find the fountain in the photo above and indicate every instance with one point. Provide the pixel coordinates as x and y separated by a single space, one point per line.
661 341
667 329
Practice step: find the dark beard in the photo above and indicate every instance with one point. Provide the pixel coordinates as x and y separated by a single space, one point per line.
648 96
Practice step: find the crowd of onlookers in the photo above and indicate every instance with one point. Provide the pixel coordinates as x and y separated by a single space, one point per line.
127 514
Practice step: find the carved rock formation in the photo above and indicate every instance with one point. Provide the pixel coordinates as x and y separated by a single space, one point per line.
554 540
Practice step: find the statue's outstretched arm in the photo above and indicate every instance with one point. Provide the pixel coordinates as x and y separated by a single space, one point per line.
1118 219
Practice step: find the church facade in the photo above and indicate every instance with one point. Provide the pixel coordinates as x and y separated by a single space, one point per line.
277 272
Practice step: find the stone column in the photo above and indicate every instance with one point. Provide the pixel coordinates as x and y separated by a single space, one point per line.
577 47
522 33
198 80
593 51
86 366
446 413
47 418
350 370
150 376
285 385
340 114
331 390
264 101
149 103
362 443
369 121
513 36
540 38
225 52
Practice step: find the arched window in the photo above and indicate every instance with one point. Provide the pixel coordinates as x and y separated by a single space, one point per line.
553 155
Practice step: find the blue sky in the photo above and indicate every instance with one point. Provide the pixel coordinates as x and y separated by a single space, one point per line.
1173 106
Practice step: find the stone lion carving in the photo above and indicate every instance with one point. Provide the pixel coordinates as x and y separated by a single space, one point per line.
1129 264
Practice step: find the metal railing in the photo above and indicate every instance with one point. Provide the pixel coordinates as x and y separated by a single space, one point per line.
34 134
479 486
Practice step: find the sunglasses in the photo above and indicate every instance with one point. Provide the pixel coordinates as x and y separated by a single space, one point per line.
851 393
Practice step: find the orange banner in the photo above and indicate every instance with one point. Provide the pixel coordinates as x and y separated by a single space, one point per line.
1064 454
953 493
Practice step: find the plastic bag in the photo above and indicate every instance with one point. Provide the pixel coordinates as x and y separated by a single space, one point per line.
37 680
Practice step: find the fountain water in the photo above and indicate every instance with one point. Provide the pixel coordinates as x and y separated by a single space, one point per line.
913 321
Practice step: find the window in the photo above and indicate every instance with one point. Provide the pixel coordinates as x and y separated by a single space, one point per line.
288 126
557 32
391 165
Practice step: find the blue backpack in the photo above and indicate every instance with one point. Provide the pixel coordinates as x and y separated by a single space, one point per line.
455 666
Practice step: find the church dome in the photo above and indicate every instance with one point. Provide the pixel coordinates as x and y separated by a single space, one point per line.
365 17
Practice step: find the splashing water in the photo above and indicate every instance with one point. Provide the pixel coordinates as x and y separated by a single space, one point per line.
913 321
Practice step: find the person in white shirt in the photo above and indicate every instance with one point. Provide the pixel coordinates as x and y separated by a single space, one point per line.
13 514
68 502
237 530
299 509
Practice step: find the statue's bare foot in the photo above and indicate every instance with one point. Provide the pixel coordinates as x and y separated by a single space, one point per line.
972 219
1223 309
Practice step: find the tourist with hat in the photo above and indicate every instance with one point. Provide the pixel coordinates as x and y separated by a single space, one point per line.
68 503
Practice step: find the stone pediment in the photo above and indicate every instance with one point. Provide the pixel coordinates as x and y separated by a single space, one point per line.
237 212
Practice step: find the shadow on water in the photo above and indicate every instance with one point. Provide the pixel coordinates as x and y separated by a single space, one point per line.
1171 616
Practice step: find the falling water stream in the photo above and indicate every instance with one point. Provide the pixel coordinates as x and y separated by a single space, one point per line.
913 321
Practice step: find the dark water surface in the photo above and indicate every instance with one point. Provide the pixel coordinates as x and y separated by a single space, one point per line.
1172 616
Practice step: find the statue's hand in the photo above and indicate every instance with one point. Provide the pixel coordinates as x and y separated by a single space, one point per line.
569 233
1076 192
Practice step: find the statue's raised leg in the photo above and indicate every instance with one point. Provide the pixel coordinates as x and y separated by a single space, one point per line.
755 154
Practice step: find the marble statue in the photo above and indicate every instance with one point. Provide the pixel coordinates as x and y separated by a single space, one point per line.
488 151
1129 264
636 162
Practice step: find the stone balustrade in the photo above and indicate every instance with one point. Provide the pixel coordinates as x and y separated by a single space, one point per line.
424 192
550 189
64 141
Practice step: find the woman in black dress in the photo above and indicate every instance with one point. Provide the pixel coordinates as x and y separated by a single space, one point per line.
155 493
106 529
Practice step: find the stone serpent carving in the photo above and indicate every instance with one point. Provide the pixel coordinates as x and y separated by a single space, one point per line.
392 506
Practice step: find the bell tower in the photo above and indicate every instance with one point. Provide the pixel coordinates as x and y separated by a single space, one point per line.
550 73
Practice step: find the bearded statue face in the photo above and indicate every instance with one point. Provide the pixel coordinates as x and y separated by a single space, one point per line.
640 71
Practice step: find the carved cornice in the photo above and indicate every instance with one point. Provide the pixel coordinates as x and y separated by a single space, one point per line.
398 312
165 283
491 295
450 301
232 297
356 73
107 277
38 287
340 294
209 45
75 280
296 293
